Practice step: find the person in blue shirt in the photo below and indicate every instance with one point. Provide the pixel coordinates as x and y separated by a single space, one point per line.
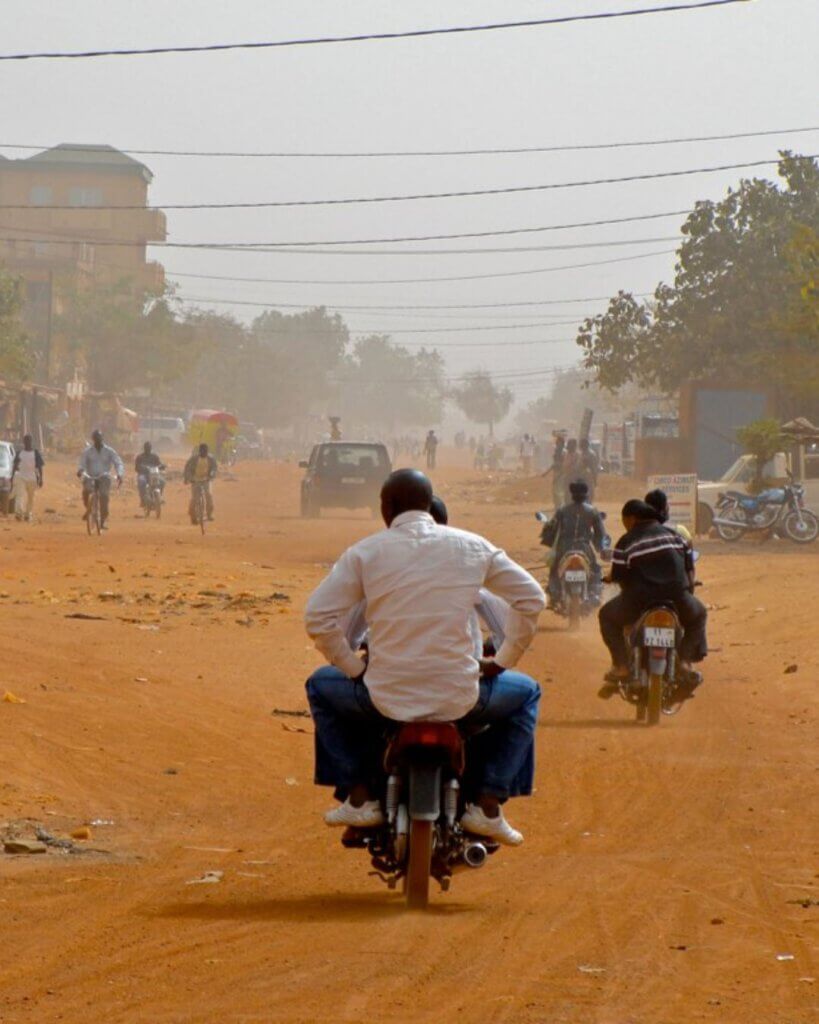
96 463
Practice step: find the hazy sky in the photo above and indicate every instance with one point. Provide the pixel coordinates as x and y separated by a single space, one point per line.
740 68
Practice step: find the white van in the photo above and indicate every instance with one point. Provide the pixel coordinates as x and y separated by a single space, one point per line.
166 433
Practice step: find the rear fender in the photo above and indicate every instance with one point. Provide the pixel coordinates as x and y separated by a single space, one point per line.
425 792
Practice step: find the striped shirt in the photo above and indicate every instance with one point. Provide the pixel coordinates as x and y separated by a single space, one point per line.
651 556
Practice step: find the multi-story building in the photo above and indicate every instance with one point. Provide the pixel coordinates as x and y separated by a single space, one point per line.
75 216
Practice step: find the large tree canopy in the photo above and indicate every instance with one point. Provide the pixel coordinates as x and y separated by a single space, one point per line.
482 401
742 279
15 352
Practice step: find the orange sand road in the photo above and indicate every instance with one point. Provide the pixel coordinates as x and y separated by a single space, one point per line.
662 869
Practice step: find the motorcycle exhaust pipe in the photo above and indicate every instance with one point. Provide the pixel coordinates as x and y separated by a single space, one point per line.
716 521
475 855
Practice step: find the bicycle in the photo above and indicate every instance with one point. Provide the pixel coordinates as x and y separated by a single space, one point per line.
199 504
93 516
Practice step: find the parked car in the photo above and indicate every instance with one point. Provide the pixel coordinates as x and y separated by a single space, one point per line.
7 454
739 477
344 474
164 432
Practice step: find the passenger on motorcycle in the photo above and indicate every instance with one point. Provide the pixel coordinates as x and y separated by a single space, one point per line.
96 463
577 526
421 582
200 469
659 500
143 464
652 564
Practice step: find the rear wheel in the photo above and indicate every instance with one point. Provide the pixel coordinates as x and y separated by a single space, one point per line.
801 527
731 533
419 864
574 612
705 518
654 704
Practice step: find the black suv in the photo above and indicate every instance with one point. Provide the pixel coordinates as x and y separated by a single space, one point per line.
344 474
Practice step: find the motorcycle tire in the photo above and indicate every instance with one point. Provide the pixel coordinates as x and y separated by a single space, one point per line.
574 613
801 533
731 533
654 703
419 864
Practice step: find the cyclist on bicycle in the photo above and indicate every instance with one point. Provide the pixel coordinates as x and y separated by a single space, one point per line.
96 463
200 469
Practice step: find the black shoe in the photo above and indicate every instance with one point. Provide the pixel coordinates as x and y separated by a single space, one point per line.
607 691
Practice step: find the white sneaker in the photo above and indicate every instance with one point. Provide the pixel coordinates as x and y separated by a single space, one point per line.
368 815
474 820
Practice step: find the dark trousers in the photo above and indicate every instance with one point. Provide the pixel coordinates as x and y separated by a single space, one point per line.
350 732
626 608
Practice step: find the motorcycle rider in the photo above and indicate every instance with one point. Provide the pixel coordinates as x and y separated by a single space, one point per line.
420 581
652 564
200 469
576 526
143 464
96 462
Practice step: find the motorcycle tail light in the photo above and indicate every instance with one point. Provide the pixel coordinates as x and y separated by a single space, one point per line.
430 734
661 618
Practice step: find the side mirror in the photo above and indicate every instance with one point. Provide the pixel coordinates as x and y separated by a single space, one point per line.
541 517
303 464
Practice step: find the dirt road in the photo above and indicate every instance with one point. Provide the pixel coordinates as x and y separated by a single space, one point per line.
668 875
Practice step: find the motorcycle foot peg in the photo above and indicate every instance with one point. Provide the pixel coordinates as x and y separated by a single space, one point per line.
444 883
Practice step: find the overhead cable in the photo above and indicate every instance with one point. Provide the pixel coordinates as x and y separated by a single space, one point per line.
389 153
458 194
362 37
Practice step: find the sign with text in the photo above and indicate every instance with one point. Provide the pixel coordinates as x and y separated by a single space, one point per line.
681 489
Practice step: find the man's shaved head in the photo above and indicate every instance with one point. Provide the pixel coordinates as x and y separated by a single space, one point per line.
405 490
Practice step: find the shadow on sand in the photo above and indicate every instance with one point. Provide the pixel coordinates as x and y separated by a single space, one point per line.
312 907
591 723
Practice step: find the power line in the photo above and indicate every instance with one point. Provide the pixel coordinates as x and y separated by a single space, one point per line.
364 37
457 194
369 154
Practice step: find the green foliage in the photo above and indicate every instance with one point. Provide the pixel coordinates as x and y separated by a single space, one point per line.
481 401
729 311
762 439
125 338
16 358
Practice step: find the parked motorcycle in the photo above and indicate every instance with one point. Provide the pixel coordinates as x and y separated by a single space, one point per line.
422 800
579 591
776 509
154 493
654 656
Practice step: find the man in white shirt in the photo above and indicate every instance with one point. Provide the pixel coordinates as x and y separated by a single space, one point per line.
421 582
26 476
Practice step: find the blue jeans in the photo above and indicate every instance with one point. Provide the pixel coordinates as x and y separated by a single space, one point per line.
350 733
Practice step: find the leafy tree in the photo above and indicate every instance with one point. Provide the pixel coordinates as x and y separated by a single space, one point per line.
16 358
727 311
762 439
389 387
124 337
482 401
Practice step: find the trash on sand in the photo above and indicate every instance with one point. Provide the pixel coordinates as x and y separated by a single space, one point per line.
285 711
86 616
785 956
588 969
293 728
791 669
23 846
171 771
12 698
83 832
96 822
140 679
153 629
51 840
209 878
290 781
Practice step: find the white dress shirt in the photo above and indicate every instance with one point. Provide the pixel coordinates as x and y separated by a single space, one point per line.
421 583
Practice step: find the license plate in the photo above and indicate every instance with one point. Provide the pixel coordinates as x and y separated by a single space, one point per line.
658 636
574 576
353 480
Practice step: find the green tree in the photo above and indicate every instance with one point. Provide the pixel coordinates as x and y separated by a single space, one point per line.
727 311
388 387
762 439
16 358
482 401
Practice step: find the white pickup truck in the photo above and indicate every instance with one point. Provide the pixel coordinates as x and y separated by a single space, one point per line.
739 477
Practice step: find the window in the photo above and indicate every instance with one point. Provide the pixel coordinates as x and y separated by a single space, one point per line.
85 196
41 195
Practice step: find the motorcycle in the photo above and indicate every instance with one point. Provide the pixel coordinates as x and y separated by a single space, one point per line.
776 509
154 493
579 591
422 800
654 655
